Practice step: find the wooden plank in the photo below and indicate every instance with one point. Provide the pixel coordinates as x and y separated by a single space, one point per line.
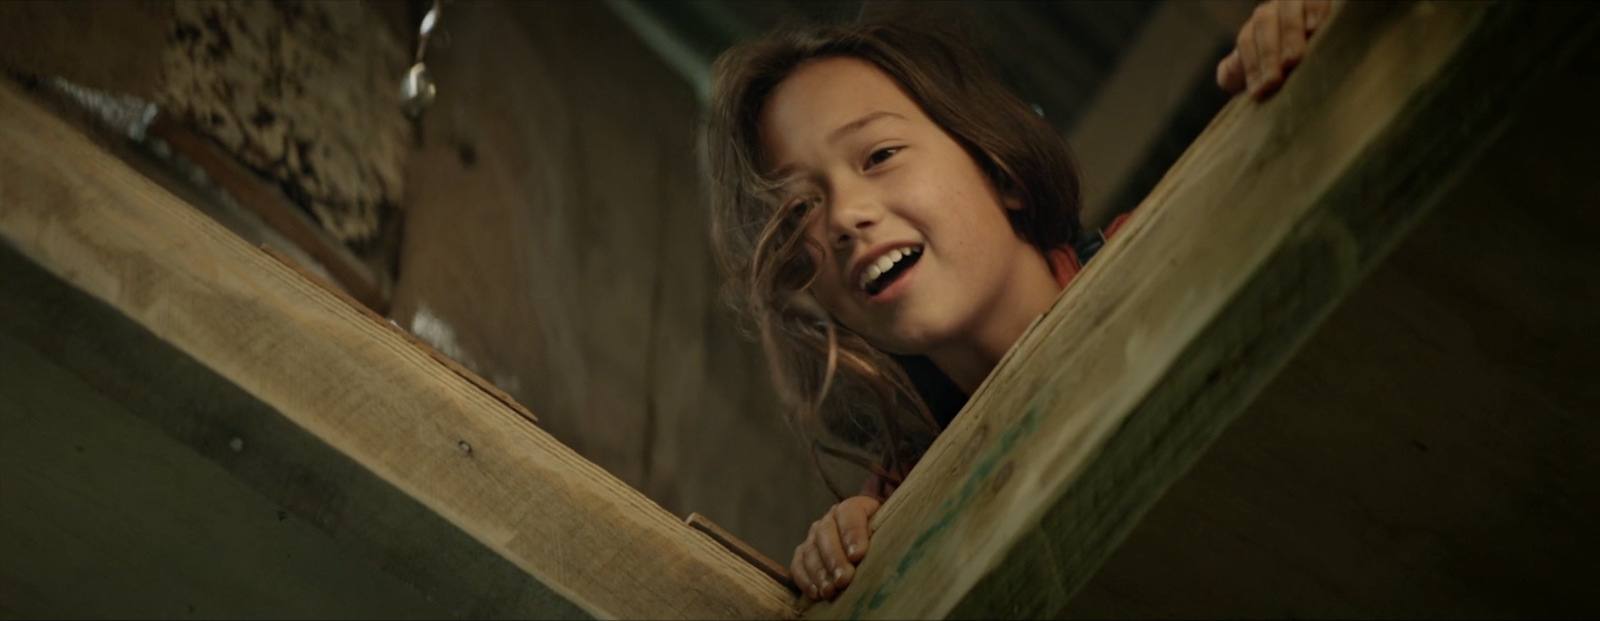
448 362
749 554
1429 452
1235 258
181 177
103 515
391 546
357 386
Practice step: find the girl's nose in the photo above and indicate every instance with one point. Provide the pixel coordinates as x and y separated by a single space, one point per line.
853 215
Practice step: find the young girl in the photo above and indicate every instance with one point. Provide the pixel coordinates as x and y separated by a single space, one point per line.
890 219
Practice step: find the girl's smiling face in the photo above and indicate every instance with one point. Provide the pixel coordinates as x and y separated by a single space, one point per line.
893 190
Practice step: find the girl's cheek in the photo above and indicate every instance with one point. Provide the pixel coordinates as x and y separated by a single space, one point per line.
827 285
832 292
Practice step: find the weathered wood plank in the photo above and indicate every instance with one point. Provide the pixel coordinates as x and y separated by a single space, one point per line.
136 484
1256 234
356 386
1429 452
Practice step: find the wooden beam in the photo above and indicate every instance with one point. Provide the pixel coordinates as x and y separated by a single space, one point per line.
1245 246
1429 452
319 365
121 454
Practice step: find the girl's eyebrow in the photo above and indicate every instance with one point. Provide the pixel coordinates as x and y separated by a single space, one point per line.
783 180
859 124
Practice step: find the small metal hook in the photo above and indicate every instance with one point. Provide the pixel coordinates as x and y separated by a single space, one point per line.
416 91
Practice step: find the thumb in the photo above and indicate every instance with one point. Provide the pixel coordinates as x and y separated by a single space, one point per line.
1230 73
1316 10
854 516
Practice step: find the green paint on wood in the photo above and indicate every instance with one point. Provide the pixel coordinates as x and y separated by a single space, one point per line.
949 510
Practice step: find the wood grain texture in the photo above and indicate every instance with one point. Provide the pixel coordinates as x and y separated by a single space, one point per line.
260 464
749 554
357 386
1236 257
102 515
446 361
1430 451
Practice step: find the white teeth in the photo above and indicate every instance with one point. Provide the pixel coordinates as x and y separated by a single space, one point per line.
877 268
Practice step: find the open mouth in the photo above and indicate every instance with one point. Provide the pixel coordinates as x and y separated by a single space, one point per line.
889 268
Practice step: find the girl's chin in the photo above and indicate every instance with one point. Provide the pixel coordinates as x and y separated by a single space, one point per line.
913 331
917 342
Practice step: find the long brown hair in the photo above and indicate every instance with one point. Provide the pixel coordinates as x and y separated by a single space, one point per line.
847 398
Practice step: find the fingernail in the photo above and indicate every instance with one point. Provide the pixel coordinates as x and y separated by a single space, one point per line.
837 574
852 550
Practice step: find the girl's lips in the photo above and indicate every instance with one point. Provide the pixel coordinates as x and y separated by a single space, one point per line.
860 268
897 288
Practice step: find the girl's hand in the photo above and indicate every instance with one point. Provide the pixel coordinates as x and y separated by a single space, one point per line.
824 564
1270 44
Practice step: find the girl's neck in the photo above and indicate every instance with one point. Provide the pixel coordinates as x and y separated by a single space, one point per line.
968 361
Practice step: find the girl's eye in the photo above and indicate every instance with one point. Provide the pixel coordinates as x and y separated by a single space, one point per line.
877 157
800 207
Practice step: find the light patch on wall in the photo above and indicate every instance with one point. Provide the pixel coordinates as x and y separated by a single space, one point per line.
130 115
508 383
435 332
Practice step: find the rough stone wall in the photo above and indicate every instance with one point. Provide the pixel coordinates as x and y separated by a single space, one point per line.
303 92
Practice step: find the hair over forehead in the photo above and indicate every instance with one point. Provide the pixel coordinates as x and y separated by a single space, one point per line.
1020 153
